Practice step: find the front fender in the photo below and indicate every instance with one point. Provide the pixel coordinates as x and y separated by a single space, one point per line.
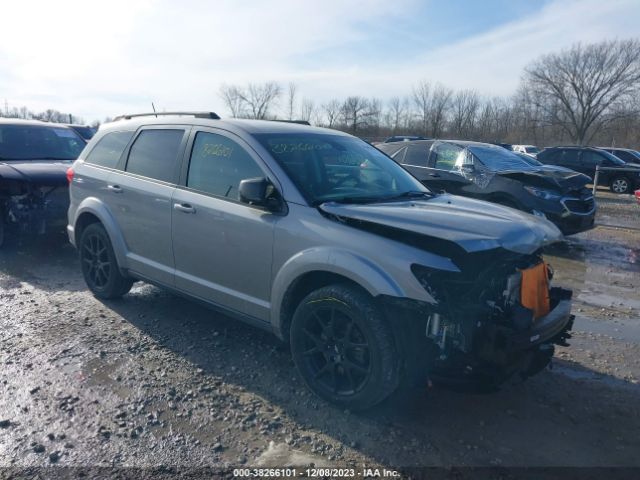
98 209
331 260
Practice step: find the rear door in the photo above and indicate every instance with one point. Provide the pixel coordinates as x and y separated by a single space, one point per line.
139 197
222 248
589 160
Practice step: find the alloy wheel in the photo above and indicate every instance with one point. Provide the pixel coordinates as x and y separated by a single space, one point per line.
336 351
95 258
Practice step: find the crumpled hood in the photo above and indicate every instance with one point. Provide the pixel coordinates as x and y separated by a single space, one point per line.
558 179
41 172
472 224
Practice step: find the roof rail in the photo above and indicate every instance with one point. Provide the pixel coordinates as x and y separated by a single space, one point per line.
210 115
300 122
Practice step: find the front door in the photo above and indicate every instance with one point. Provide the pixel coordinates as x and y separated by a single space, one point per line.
222 248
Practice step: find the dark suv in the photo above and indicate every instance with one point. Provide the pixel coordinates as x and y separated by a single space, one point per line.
585 160
489 172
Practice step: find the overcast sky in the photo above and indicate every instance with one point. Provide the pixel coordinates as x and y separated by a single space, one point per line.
98 59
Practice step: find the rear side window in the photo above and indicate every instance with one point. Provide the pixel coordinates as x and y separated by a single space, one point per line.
591 159
154 154
570 158
109 148
446 156
218 164
416 155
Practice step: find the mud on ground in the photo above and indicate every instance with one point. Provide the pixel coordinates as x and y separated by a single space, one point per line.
154 379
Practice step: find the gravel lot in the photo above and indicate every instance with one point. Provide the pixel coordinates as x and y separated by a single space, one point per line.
154 379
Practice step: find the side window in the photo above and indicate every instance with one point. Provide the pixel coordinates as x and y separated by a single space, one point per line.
416 155
591 159
218 164
445 156
109 148
154 154
570 158
626 156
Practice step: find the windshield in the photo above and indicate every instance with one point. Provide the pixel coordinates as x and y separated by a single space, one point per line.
339 168
498 159
35 142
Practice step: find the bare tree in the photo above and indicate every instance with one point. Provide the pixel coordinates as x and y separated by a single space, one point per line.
331 110
253 101
260 98
421 95
439 106
465 106
291 100
583 88
230 95
307 109
397 113
354 111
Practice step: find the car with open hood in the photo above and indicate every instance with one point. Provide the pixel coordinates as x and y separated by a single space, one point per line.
34 158
371 278
492 173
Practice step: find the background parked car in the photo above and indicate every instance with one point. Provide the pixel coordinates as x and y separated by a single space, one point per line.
530 150
637 194
536 163
627 155
585 160
489 172
34 158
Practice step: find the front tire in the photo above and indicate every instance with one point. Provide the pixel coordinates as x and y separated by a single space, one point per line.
620 185
99 265
344 348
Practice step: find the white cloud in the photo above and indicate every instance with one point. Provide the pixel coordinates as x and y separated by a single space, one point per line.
103 58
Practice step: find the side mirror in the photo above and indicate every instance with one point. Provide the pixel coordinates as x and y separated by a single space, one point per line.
468 168
259 192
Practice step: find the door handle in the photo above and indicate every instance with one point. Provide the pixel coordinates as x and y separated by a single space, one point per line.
115 188
434 175
184 207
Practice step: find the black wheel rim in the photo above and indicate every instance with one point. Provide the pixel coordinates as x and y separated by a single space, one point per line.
95 261
335 351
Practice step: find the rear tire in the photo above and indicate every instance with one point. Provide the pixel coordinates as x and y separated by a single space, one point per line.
99 265
620 185
344 348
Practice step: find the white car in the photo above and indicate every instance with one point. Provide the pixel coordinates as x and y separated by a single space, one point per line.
530 150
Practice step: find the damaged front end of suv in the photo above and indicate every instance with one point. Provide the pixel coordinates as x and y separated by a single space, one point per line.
498 315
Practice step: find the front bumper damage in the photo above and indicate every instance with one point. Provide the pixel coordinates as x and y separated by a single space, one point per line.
34 209
475 341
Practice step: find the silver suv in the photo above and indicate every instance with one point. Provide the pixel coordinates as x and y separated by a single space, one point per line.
315 235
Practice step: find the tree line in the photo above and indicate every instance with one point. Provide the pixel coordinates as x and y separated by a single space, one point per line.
49 115
588 94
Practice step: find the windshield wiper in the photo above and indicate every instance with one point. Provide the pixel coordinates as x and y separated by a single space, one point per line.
409 194
357 199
